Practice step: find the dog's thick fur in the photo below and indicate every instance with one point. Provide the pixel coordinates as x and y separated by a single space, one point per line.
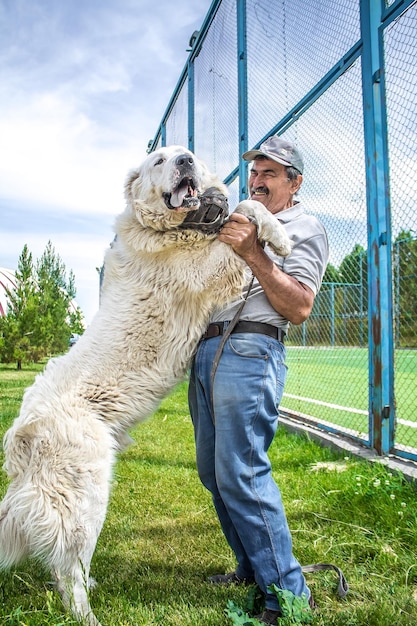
160 285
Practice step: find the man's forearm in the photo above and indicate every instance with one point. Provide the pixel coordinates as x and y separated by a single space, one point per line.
292 299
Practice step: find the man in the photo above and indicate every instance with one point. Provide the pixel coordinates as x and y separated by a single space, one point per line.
235 422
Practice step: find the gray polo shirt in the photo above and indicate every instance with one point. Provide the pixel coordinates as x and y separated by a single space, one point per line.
307 263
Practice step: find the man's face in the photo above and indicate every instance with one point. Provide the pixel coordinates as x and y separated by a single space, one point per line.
269 184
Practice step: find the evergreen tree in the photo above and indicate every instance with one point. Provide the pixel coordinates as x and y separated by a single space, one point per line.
19 341
76 321
38 322
55 295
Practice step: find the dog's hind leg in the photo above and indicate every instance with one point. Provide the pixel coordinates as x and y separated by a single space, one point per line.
73 582
74 593
70 562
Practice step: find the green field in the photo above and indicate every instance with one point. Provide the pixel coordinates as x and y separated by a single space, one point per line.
331 385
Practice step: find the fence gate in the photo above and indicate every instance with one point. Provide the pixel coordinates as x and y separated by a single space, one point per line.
339 78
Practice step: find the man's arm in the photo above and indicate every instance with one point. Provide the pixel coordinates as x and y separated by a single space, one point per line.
292 299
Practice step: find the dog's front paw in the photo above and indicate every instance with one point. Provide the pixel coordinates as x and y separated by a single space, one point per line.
280 243
269 227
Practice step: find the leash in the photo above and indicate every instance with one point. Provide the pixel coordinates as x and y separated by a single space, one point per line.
219 351
342 587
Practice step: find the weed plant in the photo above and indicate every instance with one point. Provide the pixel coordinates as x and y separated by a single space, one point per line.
161 539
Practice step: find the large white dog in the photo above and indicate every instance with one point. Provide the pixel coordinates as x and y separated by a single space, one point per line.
161 282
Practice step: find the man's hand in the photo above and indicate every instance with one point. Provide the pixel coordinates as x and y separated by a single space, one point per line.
292 299
240 233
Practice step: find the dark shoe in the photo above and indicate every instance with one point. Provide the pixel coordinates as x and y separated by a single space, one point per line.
230 579
269 617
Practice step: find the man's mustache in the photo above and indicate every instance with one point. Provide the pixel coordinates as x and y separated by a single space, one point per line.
259 191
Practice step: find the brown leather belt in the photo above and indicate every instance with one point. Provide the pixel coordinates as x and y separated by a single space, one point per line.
218 328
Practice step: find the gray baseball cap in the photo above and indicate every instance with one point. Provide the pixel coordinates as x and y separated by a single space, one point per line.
279 150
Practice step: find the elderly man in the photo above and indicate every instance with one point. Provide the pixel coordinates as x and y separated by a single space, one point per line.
236 420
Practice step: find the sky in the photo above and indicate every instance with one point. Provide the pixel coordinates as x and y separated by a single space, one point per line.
84 85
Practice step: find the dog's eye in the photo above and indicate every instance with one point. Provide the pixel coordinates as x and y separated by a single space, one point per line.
159 162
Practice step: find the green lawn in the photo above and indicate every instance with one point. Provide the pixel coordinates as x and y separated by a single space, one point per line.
331 384
161 538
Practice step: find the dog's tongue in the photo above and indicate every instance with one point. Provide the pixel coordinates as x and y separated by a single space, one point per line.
177 197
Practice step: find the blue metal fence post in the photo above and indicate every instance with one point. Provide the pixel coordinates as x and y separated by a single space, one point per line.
380 333
242 76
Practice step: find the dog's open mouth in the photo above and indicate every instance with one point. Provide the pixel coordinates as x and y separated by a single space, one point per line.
184 196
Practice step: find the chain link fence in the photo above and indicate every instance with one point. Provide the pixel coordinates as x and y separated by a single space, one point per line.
305 70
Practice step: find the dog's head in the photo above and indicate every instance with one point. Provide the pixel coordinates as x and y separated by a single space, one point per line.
167 186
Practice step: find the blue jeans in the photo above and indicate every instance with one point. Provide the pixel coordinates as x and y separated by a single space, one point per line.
232 455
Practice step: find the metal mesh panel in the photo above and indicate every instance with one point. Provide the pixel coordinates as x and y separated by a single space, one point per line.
216 101
288 53
401 87
233 195
313 393
177 122
330 135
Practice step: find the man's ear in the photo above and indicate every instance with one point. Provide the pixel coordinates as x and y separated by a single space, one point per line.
296 183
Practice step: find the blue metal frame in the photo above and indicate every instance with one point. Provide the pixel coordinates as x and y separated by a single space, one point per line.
374 19
380 334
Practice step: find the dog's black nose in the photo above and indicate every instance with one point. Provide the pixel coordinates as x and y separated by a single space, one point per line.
184 159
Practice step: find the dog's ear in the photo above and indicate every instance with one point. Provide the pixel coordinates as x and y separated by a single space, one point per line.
133 178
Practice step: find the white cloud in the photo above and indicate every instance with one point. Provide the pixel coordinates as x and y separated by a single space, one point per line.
84 87
53 156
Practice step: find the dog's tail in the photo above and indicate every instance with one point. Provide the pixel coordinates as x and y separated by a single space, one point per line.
13 540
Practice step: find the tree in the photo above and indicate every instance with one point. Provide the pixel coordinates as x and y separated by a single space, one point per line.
405 288
38 322
17 327
353 268
76 321
331 275
55 294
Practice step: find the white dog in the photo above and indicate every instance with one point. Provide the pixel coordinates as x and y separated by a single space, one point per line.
160 284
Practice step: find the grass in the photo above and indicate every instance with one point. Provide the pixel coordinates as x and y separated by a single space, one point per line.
311 369
161 538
